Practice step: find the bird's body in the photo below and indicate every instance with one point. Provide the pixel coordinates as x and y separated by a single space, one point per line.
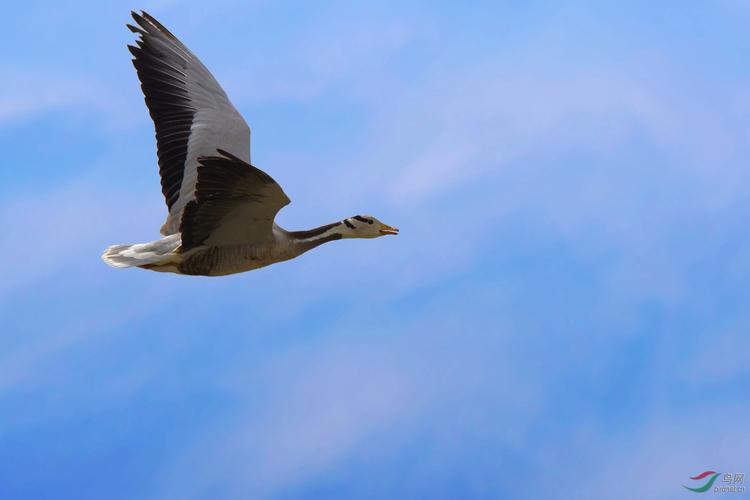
218 260
221 208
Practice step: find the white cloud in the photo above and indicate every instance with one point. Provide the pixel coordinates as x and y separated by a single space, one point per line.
658 458
466 126
56 229
328 54
27 92
313 407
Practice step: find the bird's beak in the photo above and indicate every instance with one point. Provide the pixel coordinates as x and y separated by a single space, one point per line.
388 230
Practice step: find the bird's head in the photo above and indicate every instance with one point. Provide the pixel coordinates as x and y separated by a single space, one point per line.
365 226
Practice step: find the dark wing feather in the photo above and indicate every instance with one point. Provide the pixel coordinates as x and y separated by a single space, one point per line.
235 203
191 112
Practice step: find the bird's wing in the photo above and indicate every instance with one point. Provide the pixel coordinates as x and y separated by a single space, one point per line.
191 113
235 203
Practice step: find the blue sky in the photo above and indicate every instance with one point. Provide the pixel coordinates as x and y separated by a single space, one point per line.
564 314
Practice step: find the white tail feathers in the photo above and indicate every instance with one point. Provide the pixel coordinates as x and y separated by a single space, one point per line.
140 254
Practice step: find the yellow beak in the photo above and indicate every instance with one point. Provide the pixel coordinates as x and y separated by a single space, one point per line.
388 230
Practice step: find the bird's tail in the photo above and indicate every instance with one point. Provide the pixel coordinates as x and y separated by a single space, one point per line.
155 253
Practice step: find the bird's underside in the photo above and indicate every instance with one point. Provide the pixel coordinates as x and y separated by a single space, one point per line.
221 209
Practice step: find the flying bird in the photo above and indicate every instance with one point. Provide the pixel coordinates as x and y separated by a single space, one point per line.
221 209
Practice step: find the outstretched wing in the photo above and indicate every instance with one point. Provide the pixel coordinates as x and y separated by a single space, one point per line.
191 113
234 203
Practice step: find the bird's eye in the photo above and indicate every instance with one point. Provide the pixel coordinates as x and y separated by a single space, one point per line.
369 221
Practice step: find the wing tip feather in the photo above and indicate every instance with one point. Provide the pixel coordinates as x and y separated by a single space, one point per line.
135 29
156 24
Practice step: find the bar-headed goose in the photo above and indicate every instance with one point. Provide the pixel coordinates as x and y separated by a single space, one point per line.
221 208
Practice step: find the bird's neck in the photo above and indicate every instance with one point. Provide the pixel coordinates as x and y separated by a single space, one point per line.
307 240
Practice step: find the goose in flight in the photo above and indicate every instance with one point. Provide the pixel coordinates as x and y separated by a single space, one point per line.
221 208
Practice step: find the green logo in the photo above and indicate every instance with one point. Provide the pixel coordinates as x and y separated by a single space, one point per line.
730 482
703 475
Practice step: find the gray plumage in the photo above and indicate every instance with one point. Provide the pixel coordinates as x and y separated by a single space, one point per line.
221 209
